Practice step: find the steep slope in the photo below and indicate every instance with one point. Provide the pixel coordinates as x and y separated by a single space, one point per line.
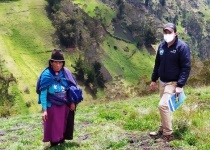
25 39
191 18
119 55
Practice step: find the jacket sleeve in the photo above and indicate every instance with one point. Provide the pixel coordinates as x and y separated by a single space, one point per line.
43 99
155 75
185 65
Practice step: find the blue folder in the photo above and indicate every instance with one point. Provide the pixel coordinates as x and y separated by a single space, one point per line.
175 102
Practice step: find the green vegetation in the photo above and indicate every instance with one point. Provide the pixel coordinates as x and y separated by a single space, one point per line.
122 125
126 60
25 39
96 8
27 36
10 96
90 75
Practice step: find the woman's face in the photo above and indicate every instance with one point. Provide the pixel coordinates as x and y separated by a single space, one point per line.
56 65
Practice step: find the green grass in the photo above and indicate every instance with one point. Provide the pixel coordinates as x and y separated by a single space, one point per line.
26 36
130 66
107 14
123 124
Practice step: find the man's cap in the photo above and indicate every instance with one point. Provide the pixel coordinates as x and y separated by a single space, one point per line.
57 55
169 26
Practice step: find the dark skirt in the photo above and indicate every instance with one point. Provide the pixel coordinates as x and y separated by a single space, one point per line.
55 128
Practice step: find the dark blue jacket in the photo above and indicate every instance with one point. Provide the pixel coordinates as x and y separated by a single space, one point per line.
172 63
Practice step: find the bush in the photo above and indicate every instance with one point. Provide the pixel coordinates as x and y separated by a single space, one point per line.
191 139
28 104
6 100
5 109
181 127
26 90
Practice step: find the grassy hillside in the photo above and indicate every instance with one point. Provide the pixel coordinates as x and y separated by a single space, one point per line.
26 36
126 60
121 125
119 57
90 6
26 39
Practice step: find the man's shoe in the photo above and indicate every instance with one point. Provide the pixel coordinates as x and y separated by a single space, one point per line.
165 138
156 133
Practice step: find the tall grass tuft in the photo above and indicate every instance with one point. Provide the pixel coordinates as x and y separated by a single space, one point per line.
181 127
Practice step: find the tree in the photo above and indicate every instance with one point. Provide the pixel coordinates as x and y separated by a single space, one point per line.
68 21
147 2
79 68
53 2
99 76
150 37
121 11
6 100
163 2
176 19
100 80
97 67
90 77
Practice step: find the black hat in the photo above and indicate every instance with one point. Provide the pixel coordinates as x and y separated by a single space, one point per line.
57 55
169 26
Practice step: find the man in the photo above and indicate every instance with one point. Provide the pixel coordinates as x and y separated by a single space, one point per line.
172 67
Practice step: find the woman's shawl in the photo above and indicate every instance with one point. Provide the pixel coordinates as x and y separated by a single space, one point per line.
47 78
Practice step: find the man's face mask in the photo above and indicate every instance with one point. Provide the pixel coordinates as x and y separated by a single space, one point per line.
169 37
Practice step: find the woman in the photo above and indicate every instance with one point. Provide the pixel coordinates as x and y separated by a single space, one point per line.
52 87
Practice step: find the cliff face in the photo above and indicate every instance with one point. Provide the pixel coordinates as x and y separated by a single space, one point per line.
191 17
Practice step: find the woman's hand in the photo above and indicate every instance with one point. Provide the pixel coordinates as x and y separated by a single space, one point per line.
72 107
44 115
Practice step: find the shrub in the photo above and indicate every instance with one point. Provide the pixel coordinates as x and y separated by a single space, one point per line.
28 104
181 127
115 47
5 109
26 90
6 100
191 139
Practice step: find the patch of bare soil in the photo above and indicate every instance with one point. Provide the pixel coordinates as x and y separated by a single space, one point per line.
145 142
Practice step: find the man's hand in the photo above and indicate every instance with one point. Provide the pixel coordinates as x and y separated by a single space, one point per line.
44 115
153 85
178 91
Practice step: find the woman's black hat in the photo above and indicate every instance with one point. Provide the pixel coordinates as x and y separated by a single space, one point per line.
57 55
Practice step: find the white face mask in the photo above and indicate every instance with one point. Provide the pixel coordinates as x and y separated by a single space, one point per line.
168 37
